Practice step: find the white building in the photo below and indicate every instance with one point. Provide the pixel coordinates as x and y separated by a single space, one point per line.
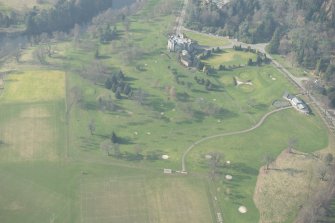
297 103
179 42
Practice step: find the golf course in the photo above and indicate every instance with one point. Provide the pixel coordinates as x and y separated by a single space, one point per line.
74 150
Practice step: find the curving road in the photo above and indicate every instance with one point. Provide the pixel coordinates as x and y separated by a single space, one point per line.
261 121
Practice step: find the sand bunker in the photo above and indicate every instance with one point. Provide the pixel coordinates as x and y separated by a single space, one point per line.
242 209
165 157
208 156
238 82
229 177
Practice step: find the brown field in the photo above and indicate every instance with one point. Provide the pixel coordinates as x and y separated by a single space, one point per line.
288 183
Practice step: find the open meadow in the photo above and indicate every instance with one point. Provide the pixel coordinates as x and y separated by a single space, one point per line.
60 162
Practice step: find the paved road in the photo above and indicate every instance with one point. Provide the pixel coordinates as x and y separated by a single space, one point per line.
180 20
261 121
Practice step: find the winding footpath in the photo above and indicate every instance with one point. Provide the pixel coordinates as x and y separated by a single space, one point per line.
259 124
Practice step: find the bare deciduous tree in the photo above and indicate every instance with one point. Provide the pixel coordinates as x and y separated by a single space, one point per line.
268 159
92 126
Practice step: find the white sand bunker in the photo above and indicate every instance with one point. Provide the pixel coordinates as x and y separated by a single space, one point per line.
238 82
242 209
228 162
229 177
272 78
208 156
165 157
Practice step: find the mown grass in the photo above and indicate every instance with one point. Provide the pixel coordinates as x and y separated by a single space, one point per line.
144 199
207 40
229 58
33 86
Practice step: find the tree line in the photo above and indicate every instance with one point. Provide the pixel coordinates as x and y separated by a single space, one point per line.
64 15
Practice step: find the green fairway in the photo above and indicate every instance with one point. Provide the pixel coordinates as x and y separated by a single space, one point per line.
230 57
207 40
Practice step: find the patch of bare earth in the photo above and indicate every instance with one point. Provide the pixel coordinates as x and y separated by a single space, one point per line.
282 190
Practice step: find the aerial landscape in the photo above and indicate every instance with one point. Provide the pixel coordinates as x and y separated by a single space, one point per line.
167 111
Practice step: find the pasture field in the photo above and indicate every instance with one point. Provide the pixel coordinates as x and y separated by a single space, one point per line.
32 116
43 191
34 86
32 131
56 171
141 199
207 40
229 57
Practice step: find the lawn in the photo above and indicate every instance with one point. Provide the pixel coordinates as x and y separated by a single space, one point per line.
229 58
207 40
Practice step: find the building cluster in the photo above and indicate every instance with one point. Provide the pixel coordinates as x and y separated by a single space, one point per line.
177 43
183 45
297 103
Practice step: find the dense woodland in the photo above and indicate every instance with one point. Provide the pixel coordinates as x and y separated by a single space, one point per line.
303 30
64 15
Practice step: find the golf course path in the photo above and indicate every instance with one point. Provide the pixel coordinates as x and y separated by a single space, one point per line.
261 121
